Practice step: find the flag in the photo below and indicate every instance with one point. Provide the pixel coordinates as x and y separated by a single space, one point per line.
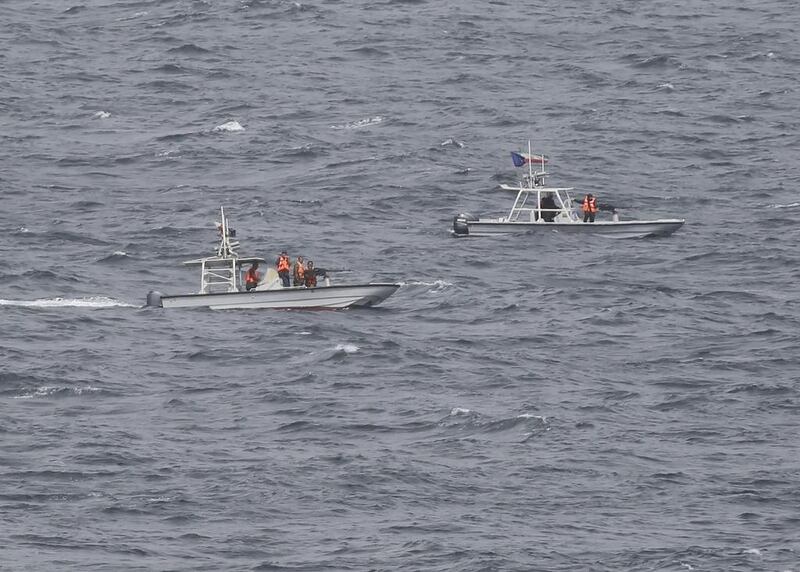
522 159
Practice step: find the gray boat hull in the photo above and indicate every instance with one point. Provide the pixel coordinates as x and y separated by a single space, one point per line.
323 297
611 229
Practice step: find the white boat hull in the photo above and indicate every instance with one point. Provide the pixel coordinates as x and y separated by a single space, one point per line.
322 297
611 229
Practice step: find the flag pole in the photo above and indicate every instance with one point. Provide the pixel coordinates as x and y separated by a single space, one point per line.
530 162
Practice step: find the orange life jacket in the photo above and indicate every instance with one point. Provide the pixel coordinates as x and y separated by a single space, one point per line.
299 271
251 277
283 264
589 205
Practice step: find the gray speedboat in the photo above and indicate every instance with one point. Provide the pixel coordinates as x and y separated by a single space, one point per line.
539 208
222 287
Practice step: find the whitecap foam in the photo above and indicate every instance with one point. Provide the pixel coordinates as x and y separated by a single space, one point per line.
459 411
542 418
789 206
667 86
229 127
452 141
102 115
47 390
753 551
88 302
347 348
366 122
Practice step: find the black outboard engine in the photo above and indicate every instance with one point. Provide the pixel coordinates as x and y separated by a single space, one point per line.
460 226
154 298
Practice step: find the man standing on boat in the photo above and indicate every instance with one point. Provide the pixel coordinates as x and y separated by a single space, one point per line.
310 275
251 277
299 270
589 208
283 265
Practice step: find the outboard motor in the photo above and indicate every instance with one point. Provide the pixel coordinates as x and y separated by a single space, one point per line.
460 226
154 299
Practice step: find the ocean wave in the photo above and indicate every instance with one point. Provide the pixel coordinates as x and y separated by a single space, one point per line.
116 256
347 348
102 115
361 123
58 302
451 142
229 127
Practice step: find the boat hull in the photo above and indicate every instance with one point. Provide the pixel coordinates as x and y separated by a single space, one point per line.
611 229
322 297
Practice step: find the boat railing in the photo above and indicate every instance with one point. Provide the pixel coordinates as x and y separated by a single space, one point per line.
218 276
562 200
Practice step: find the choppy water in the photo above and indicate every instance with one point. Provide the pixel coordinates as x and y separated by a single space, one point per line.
519 404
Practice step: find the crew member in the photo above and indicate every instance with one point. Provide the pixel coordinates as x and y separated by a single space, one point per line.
589 208
310 275
299 270
252 276
283 265
548 207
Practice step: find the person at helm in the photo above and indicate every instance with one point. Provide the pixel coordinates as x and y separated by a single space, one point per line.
589 208
252 277
282 265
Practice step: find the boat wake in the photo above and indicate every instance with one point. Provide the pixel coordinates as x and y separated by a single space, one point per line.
50 391
88 302
436 285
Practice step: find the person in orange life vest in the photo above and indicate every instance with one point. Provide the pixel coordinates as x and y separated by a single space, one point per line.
310 275
299 271
589 208
252 276
283 265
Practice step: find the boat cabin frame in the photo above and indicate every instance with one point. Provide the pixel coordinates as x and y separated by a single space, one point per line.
221 273
531 190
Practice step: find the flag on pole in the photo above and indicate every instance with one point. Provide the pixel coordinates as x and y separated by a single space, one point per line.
522 159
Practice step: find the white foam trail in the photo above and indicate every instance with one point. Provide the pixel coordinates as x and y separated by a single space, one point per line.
347 348
367 122
102 115
789 206
89 302
229 127
47 390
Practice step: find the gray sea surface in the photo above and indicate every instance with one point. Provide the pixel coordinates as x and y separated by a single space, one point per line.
521 403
